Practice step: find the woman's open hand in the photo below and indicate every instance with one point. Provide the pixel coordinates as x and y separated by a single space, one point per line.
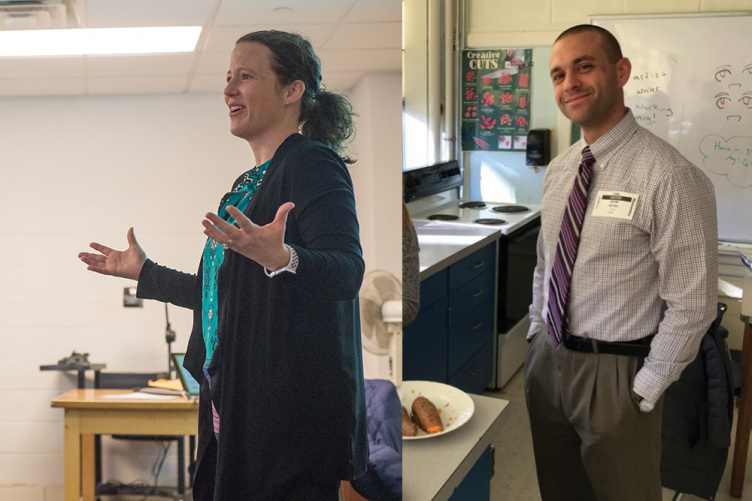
125 264
263 244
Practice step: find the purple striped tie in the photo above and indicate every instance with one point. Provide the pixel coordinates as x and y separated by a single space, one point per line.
566 250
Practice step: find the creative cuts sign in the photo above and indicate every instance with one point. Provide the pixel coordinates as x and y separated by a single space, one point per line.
495 100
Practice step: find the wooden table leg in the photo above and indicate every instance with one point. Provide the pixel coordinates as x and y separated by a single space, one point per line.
741 445
88 481
72 455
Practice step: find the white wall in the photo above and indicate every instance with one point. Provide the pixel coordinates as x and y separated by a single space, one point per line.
81 169
77 169
377 179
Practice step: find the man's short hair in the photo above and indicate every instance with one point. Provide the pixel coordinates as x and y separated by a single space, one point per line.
610 44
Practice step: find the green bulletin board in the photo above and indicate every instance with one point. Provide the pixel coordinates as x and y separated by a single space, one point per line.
495 107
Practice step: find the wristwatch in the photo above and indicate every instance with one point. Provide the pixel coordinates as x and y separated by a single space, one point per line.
292 265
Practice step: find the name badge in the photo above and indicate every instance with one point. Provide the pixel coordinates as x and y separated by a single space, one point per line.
615 204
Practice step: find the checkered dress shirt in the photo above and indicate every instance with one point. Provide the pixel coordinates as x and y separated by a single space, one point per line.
654 274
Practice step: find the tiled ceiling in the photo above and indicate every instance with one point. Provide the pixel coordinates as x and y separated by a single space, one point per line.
352 38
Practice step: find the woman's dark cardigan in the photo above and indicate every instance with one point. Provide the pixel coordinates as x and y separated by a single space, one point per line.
287 375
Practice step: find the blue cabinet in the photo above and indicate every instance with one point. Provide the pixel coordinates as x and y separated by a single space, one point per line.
468 337
476 486
475 373
469 296
424 358
471 266
451 340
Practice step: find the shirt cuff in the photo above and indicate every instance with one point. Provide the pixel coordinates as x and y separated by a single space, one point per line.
650 387
292 265
535 327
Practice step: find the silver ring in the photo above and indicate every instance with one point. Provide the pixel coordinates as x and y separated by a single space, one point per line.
227 244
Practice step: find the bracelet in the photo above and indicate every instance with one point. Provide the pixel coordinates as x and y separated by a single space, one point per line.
292 265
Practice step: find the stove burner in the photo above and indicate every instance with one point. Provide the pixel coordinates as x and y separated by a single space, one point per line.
472 205
443 217
510 208
490 221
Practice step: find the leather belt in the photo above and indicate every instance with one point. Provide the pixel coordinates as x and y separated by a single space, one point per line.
638 348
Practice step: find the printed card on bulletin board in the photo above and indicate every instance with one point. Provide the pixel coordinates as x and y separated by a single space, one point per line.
495 99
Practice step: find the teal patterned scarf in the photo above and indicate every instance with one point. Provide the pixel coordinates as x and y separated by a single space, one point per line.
214 254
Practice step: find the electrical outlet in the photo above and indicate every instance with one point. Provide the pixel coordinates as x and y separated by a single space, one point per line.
130 300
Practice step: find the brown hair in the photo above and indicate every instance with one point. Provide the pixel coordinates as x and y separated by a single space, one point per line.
610 44
326 116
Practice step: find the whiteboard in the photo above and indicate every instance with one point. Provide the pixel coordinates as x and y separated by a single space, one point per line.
691 84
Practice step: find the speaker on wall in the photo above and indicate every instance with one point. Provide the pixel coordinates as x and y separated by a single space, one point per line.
538 152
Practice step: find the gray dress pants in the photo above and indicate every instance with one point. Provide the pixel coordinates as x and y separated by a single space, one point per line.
591 441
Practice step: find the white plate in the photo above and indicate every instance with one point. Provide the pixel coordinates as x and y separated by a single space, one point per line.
455 406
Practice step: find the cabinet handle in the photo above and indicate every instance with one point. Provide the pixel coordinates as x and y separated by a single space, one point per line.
479 292
473 374
480 324
479 265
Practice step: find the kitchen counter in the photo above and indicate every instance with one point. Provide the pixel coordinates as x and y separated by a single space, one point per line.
743 251
434 467
443 244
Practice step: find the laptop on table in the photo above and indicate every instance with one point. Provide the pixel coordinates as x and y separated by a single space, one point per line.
190 385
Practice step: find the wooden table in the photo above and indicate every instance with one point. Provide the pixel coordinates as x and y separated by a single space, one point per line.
744 417
89 412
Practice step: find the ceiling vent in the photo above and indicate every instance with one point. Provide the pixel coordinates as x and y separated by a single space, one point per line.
30 14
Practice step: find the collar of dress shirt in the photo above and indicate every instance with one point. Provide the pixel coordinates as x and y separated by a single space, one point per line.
606 145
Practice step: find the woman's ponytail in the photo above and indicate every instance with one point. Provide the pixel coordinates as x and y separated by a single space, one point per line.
330 120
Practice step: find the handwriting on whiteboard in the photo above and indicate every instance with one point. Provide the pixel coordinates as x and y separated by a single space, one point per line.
649 114
729 157
647 95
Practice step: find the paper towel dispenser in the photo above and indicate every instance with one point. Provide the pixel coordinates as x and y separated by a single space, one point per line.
538 151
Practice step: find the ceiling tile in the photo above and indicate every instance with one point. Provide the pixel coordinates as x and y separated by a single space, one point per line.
162 64
137 85
41 67
41 87
369 41
136 13
366 36
239 12
213 63
223 38
152 64
374 11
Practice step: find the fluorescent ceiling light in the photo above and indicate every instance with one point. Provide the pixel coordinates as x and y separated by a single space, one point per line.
90 41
